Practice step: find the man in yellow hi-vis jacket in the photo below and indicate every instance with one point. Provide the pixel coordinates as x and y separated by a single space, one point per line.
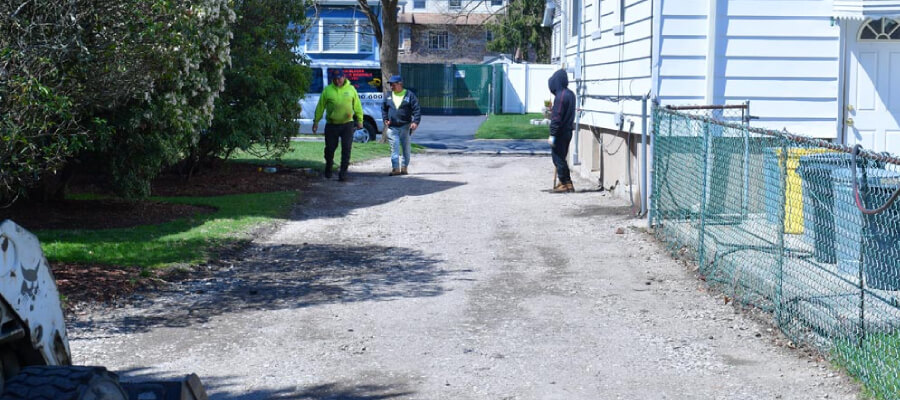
343 115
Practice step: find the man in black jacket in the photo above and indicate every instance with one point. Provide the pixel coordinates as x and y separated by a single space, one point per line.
401 115
562 119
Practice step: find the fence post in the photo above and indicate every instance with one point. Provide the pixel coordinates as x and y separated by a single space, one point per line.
701 250
862 189
779 276
527 94
745 194
654 188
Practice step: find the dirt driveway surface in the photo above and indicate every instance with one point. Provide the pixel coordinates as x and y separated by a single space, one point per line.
465 280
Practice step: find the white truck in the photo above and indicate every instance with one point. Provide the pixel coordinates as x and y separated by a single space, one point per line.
364 75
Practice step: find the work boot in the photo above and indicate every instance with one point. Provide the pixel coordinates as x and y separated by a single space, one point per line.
561 188
342 176
403 171
570 187
394 172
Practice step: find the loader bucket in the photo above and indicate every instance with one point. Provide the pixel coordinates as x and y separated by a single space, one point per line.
188 388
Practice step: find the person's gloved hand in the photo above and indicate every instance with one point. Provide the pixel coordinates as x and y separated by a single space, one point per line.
550 140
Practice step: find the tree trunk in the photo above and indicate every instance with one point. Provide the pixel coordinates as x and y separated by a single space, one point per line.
387 34
389 47
389 42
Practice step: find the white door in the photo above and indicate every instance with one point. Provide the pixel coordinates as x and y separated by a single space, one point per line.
873 101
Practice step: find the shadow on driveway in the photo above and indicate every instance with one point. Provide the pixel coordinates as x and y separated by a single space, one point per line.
363 190
281 277
218 389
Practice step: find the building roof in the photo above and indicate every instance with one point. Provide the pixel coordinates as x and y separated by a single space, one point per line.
444 19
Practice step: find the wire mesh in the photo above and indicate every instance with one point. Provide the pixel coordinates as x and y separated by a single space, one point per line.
775 221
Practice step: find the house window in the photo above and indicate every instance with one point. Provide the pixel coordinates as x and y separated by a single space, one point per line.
455 4
488 35
880 29
555 45
366 37
312 37
576 17
418 3
438 40
338 35
496 2
343 35
403 38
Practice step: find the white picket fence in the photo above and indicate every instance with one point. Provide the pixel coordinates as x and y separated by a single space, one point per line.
525 87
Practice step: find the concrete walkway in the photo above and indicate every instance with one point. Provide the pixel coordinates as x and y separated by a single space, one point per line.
456 134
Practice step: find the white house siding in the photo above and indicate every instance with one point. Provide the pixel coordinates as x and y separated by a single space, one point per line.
615 66
783 56
682 52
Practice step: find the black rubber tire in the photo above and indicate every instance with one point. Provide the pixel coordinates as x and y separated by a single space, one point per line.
64 383
370 127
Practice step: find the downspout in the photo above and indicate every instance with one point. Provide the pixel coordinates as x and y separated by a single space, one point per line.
712 44
579 85
644 133
843 90
653 96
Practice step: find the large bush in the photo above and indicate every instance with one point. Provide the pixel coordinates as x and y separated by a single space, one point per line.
187 54
40 126
132 82
263 85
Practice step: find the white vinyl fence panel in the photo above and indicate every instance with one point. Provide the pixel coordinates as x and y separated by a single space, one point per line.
525 87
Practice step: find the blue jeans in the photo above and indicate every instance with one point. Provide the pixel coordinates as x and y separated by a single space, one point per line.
399 137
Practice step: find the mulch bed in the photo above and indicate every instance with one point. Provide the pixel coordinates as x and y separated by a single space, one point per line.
231 179
97 214
104 284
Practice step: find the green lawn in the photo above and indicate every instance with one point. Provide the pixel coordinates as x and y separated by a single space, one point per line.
193 240
512 126
183 241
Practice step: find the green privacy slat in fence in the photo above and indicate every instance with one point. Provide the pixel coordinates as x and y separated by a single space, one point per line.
773 221
450 89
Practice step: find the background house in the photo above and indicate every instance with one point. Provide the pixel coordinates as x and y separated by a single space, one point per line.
339 30
446 31
823 68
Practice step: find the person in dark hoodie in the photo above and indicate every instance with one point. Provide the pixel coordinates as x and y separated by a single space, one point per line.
562 119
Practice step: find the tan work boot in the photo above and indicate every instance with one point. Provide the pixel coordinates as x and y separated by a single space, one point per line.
403 171
570 187
561 188
394 172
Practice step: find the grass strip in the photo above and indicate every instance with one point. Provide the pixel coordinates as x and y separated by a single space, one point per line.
183 241
310 154
512 126
875 362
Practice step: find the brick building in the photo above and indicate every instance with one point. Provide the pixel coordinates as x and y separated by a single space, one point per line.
446 31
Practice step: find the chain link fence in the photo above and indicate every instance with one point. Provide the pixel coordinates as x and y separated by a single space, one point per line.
803 228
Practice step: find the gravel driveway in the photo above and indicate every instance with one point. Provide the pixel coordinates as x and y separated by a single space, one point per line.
464 280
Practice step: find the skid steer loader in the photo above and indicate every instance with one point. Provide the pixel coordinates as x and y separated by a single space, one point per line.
35 361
